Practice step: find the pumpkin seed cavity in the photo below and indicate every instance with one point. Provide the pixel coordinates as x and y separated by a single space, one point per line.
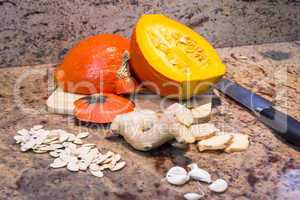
179 50
68 150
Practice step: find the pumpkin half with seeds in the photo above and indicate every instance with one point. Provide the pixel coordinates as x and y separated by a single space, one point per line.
101 108
174 60
97 64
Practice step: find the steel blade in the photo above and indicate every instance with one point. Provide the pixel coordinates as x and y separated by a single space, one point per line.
242 95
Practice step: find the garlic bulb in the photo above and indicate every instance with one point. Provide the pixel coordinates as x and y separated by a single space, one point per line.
218 185
177 176
193 196
199 174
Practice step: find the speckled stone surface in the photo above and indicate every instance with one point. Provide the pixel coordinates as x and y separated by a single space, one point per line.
269 169
39 32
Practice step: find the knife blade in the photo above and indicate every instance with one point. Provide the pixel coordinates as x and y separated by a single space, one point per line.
284 125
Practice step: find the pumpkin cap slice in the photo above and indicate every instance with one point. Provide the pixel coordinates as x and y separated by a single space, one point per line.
101 108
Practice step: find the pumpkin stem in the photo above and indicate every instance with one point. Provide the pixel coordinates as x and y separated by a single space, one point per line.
124 72
95 99
125 83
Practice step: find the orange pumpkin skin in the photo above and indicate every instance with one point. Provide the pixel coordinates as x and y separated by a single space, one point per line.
102 108
153 80
90 67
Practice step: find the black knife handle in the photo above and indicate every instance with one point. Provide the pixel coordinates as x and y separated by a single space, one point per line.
285 125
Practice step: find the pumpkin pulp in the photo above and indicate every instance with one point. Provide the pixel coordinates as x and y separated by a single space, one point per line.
175 53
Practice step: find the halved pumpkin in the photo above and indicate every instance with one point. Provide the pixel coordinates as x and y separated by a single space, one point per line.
101 108
174 60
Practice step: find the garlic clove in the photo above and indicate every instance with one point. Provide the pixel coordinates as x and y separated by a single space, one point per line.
218 186
193 196
193 166
178 180
177 176
199 174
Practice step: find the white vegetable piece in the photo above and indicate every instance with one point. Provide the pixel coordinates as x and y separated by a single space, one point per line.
183 114
199 174
177 176
201 113
185 135
215 142
240 142
193 196
61 102
203 131
218 186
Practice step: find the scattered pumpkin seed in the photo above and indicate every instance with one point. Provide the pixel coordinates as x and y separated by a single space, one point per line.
61 145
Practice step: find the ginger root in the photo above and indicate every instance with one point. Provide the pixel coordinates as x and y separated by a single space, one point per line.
183 114
144 130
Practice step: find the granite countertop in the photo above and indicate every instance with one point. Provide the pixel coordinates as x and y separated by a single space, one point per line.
268 169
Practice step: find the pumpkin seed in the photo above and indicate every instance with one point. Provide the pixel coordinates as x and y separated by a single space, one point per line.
37 127
56 146
71 137
94 167
89 145
58 163
54 154
23 132
82 135
107 166
83 165
61 145
118 166
39 151
73 166
98 173
77 141
63 138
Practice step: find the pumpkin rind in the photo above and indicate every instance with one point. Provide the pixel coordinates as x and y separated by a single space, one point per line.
162 75
102 108
90 66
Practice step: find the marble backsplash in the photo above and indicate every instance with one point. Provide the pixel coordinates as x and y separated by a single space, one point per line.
41 31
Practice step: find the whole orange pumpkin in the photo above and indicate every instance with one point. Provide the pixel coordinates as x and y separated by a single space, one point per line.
95 65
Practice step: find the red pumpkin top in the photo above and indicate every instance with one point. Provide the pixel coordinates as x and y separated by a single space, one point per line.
101 108
90 66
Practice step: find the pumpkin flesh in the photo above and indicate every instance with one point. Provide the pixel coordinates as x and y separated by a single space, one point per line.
178 61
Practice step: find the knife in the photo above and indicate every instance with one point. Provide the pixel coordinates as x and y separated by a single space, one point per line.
284 125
